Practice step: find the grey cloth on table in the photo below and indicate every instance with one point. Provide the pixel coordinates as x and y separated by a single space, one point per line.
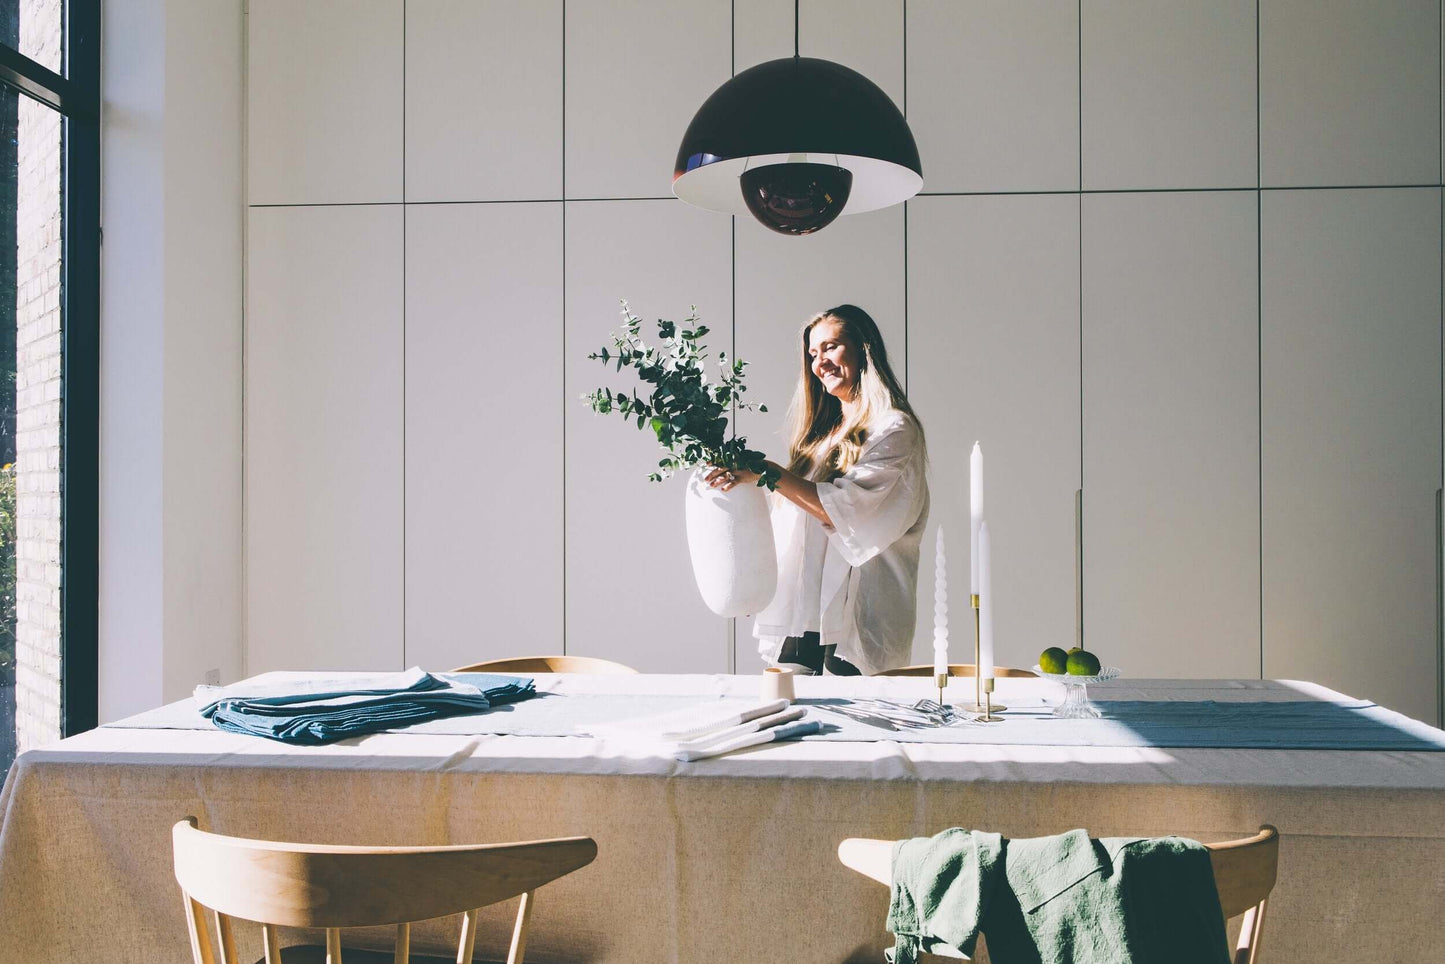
1065 899
324 711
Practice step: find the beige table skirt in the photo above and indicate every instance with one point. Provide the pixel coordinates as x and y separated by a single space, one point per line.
730 859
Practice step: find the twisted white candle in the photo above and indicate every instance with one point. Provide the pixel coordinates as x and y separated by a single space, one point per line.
940 610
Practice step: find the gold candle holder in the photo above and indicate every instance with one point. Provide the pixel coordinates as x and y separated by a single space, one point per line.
983 703
986 714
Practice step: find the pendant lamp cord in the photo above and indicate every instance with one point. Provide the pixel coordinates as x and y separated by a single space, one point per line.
795 29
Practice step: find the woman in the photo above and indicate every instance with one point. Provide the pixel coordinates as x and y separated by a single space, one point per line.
854 501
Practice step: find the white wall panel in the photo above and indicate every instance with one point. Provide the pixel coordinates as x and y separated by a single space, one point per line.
324 83
993 339
483 432
762 31
1351 377
324 438
866 35
1171 439
132 512
781 283
630 590
993 94
1349 92
636 73
1168 94
483 100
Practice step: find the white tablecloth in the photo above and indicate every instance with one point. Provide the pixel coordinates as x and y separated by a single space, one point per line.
730 859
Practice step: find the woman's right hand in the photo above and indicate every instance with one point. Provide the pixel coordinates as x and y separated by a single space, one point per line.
725 479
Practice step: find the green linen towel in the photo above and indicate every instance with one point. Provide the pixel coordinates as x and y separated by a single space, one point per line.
1056 900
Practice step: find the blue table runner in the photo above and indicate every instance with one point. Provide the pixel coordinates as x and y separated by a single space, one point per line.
1291 725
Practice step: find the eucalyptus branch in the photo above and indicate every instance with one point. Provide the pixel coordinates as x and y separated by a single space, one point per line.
687 413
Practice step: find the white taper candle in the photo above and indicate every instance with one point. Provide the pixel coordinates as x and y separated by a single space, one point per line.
985 606
975 512
940 609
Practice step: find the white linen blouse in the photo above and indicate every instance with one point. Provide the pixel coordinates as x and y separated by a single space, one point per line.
855 583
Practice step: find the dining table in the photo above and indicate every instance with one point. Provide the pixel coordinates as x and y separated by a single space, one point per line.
734 858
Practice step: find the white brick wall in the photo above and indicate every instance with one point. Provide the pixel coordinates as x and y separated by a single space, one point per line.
37 395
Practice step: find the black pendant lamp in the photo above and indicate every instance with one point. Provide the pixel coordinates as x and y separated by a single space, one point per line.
795 143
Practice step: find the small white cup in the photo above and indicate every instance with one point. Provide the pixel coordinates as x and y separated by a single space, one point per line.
778 683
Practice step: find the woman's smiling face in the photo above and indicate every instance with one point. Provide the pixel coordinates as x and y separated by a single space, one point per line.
833 358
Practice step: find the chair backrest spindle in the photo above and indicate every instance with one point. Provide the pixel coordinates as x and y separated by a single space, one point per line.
271 943
199 931
519 932
468 944
227 935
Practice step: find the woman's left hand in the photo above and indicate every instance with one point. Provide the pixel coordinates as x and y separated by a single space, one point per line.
725 479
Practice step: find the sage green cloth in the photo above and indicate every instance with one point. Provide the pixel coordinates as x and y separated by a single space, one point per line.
1066 899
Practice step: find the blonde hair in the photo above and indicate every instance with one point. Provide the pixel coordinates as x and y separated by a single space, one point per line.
823 442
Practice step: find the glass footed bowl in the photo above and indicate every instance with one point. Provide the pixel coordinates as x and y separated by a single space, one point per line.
1076 704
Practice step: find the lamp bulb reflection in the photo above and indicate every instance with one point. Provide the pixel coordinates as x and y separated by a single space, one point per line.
796 198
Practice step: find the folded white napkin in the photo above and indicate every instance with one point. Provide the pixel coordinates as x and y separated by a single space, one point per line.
787 731
691 723
751 726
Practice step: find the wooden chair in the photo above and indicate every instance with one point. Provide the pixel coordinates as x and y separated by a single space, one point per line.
550 664
1244 874
959 669
315 885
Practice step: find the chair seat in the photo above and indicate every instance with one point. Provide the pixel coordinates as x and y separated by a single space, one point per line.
316 954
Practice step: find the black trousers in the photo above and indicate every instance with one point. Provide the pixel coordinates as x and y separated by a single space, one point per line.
805 650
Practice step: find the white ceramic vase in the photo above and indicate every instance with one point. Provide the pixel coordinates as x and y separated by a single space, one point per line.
730 538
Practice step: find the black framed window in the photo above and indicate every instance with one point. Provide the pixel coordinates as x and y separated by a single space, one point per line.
49 368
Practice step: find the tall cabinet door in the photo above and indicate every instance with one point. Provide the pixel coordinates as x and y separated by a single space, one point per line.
323 424
993 294
1350 357
483 486
1171 443
629 589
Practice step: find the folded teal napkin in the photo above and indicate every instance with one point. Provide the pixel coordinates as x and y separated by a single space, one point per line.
324 710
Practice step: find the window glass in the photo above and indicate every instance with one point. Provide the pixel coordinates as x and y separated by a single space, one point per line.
31 299
41 30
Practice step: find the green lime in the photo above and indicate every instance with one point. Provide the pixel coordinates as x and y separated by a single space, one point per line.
1083 663
1053 660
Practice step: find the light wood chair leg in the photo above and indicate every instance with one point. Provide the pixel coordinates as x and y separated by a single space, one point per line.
519 932
333 945
469 938
271 943
403 944
228 938
200 934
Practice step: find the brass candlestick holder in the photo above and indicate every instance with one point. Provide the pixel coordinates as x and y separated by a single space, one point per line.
983 703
